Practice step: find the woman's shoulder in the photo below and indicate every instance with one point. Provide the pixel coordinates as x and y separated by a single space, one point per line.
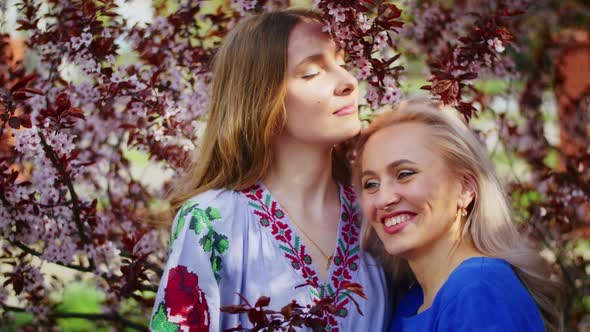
213 205
489 291
485 281
483 270
215 198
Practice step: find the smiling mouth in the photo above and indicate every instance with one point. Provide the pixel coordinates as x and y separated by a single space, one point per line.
396 222
389 222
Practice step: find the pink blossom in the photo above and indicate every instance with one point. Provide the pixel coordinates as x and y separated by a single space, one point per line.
243 6
364 22
337 11
381 40
496 44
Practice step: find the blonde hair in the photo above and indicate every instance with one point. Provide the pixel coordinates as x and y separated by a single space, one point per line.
246 108
489 222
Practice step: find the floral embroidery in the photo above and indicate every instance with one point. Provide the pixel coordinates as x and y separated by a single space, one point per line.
271 217
184 305
213 242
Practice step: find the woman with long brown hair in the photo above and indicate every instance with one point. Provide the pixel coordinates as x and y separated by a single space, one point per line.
265 208
439 219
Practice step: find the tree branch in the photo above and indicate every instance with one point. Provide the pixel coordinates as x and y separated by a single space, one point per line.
74 197
33 252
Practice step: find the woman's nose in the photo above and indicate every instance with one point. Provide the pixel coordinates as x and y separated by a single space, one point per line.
387 197
347 83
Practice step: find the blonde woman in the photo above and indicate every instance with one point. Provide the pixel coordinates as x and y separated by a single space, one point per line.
439 218
265 208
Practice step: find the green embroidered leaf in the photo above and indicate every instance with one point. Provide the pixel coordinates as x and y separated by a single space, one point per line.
213 242
213 213
206 243
216 266
342 245
179 226
267 200
314 292
353 250
330 290
199 220
160 322
223 244
256 206
181 219
285 248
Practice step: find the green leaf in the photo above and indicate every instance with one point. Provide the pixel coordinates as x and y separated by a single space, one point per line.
256 206
223 244
206 243
160 322
198 220
213 214
179 226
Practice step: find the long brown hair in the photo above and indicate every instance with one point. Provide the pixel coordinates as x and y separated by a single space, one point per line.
246 108
489 223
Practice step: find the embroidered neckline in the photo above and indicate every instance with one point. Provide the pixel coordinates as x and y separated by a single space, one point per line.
346 255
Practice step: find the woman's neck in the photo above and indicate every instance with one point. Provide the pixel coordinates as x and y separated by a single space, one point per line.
303 173
433 266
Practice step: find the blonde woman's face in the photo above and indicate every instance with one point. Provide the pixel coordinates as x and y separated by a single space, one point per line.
322 96
408 194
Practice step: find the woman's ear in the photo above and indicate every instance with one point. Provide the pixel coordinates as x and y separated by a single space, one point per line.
467 193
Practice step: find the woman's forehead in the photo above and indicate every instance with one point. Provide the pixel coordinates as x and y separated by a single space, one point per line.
307 39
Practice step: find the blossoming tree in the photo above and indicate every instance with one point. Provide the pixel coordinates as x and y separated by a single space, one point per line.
95 92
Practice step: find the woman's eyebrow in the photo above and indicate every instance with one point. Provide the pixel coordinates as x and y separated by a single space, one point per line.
320 57
311 58
392 165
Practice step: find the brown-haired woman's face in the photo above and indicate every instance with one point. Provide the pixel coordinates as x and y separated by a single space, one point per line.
322 96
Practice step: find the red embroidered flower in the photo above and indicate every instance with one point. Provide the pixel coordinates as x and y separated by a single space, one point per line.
254 192
340 275
281 231
185 299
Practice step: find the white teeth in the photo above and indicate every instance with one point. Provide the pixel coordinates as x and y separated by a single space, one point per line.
396 220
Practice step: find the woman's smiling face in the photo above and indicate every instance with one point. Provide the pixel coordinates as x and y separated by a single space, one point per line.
408 193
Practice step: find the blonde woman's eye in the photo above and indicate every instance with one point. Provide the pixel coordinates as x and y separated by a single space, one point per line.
371 184
404 174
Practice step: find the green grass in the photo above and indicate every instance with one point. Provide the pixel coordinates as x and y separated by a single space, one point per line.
80 297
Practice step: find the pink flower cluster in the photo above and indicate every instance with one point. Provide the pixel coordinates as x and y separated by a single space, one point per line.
82 127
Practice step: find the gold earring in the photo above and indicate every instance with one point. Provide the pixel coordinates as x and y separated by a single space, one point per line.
463 212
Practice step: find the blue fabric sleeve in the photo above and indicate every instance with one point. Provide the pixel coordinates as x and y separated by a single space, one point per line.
485 308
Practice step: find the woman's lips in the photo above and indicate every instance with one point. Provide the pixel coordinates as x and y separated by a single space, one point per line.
390 226
346 110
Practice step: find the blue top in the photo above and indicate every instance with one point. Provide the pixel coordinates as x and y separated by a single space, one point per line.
481 294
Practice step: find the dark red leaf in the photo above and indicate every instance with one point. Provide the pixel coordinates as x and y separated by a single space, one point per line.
34 91
468 76
14 123
262 301
25 121
22 82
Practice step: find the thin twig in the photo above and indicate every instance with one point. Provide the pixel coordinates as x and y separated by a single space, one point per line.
68 182
33 252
